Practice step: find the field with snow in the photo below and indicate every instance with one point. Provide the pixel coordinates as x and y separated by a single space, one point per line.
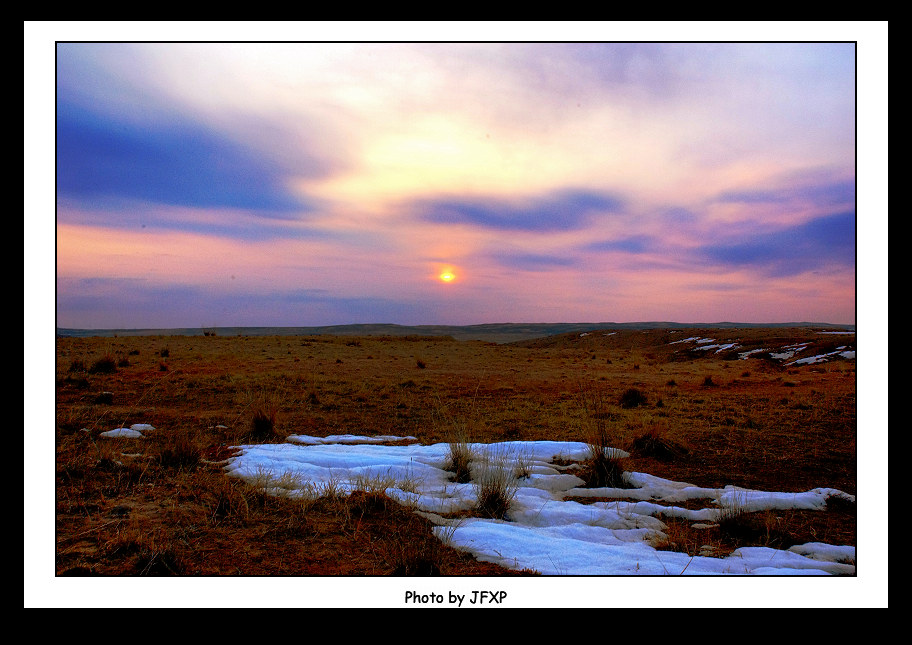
544 530
236 458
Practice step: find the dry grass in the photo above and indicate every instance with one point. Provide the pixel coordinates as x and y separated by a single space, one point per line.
495 484
654 442
604 468
162 505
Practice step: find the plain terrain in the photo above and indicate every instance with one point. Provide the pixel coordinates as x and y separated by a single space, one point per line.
161 505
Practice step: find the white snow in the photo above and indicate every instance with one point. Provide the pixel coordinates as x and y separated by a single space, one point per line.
544 530
718 348
823 358
790 350
135 431
345 438
744 355
782 354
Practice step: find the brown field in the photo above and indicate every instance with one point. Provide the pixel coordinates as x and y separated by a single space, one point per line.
161 505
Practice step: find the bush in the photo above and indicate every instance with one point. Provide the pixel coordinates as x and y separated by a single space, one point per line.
460 458
105 398
632 398
653 443
179 451
262 425
603 466
104 365
495 487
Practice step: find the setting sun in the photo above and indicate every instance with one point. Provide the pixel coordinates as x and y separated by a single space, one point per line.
447 276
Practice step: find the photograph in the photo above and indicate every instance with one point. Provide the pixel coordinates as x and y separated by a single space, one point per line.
426 315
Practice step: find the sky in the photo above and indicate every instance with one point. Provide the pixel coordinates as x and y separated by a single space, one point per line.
212 184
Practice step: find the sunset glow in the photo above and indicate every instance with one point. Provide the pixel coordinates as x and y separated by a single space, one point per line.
683 181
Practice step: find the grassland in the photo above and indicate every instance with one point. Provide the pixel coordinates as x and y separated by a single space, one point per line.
161 505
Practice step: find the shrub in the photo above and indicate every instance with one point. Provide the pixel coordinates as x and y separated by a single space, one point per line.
654 443
460 458
227 499
410 549
104 365
708 382
262 425
164 561
632 398
178 450
732 519
495 486
603 466
77 366
104 398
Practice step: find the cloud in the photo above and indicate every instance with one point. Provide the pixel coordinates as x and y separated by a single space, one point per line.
818 244
532 261
115 303
560 211
147 217
821 194
176 161
631 244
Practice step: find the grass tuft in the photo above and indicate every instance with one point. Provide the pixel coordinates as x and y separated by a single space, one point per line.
495 486
262 425
603 467
654 442
104 365
632 398
178 450
460 459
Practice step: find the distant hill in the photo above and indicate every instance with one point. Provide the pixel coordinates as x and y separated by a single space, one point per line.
491 332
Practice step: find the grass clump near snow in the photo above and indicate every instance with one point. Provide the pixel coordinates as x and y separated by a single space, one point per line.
495 485
654 442
603 468
262 426
458 433
178 450
459 459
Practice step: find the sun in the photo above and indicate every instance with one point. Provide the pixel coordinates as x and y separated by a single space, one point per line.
447 276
